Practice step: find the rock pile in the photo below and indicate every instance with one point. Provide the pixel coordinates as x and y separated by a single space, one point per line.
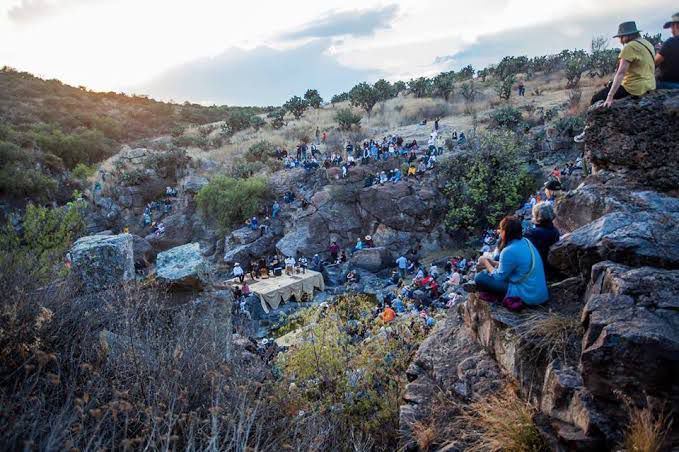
102 261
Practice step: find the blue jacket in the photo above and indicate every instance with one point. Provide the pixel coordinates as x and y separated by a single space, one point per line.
543 237
515 268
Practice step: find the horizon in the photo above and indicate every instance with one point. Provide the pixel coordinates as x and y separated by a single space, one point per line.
313 46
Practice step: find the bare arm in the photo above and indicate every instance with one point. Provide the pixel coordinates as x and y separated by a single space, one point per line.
617 81
659 59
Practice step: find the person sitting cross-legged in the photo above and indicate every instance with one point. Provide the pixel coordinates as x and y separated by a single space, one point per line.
519 272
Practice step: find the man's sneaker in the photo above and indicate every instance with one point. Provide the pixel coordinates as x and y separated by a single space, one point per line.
470 287
581 138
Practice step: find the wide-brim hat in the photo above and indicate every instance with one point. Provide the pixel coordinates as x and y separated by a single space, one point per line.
674 20
627 28
367 237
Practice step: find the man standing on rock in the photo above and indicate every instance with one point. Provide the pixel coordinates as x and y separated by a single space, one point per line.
238 272
667 58
402 263
334 251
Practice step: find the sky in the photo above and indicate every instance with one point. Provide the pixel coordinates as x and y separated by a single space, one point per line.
263 52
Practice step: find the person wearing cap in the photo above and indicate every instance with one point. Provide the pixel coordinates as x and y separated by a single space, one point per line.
667 58
238 272
636 72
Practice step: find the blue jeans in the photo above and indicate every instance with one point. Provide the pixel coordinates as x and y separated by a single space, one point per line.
486 283
666 85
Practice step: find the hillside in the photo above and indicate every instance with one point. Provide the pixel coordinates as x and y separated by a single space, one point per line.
47 128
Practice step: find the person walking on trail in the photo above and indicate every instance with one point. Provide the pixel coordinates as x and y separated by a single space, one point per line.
667 57
521 88
238 272
275 209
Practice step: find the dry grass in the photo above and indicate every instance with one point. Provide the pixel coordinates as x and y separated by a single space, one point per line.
425 435
504 422
646 431
551 335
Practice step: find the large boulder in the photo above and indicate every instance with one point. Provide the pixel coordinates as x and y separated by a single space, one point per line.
371 259
639 238
183 266
638 138
631 342
103 261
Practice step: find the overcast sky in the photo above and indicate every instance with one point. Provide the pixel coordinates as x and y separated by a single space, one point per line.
262 52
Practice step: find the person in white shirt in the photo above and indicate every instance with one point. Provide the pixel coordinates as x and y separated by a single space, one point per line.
289 265
238 272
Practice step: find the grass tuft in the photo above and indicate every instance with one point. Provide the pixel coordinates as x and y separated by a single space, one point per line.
551 335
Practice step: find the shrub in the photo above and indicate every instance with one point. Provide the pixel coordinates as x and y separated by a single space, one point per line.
277 118
646 431
83 172
507 117
260 152
503 87
18 183
256 122
347 118
569 126
341 97
364 96
228 202
10 153
486 184
550 336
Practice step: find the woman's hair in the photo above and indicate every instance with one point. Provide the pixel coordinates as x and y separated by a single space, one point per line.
543 213
511 229
630 38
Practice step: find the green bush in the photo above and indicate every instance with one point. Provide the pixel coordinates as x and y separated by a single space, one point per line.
506 117
46 234
486 184
503 87
228 202
18 182
10 153
82 171
260 151
347 118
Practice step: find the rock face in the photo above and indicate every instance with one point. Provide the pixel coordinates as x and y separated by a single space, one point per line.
619 288
102 261
372 259
635 138
631 343
183 266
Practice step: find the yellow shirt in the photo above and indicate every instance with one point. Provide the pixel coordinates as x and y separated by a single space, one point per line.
640 77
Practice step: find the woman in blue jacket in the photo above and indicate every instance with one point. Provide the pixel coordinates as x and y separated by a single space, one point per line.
519 273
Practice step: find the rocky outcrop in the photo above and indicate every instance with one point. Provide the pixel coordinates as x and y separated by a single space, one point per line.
372 259
103 261
637 139
183 266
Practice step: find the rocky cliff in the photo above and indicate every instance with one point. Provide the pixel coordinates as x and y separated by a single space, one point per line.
619 288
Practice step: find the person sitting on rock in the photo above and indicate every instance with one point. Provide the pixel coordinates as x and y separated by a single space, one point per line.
245 289
412 170
383 177
352 277
519 274
544 234
396 176
253 269
556 173
238 272
253 223
388 315
359 245
422 168
343 257
636 71
667 57
275 209
237 293
368 181
552 189
289 265
369 242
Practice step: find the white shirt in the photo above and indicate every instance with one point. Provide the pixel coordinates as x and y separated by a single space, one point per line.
237 270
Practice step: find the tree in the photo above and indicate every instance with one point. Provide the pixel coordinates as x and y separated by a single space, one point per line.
260 152
228 202
442 85
256 122
486 184
384 89
578 63
341 97
603 60
277 118
237 121
420 87
399 87
364 96
653 39
347 118
296 105
313 98
503 87
466 73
